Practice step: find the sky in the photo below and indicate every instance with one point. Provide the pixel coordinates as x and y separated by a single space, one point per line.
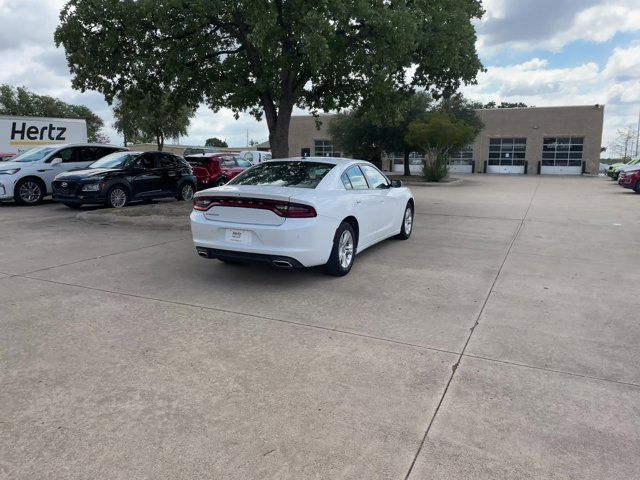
541 52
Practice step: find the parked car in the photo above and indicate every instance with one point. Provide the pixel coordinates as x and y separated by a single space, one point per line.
4 157
215 169
255 156
27 177
630 179
615 169
124 177
199 150
301 212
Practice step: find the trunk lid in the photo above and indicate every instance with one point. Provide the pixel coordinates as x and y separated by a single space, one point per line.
247 204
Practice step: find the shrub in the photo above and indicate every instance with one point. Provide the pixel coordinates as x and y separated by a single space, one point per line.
435 170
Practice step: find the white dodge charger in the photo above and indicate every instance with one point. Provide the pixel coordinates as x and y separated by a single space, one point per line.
301 212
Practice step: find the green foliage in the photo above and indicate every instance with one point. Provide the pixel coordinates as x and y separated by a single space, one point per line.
436 170
440 134
505 105
146 117
215 142
266 57
367 133
20 101
462 109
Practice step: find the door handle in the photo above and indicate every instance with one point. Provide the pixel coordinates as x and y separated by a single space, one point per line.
358 202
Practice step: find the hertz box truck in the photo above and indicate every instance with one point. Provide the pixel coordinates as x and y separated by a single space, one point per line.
18 134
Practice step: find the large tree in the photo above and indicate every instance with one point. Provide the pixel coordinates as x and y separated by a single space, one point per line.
268 56
20 101
145 116
437 136
368 132
215 142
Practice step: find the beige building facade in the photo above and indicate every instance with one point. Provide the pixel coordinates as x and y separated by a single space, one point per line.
545 140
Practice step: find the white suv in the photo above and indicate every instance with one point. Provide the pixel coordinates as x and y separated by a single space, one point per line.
27 178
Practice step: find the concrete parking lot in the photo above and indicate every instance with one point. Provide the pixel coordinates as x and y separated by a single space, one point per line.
501 341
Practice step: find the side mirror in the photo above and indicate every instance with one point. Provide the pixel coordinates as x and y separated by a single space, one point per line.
396 183
56 161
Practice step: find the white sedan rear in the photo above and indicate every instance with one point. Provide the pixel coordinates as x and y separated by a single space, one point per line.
301 212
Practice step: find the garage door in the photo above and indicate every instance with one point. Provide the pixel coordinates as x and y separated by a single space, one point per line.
562 156
507 156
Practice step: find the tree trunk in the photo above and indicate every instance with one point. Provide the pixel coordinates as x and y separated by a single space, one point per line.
160 141
278 121
407 168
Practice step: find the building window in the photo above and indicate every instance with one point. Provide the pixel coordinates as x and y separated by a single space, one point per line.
462 157
507 151
324 148
562 152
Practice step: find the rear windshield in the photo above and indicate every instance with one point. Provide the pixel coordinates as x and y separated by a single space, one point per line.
284 174
198 161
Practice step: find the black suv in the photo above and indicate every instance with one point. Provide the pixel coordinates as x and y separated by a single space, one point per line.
122 177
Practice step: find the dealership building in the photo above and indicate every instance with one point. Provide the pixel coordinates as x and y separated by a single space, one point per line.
545 140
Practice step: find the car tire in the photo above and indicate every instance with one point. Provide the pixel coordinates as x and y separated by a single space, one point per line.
221 182
407 223
343 253
74 206
187 190
637 187
29 191
117 197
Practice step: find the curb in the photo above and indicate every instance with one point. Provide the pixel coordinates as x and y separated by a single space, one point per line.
456 181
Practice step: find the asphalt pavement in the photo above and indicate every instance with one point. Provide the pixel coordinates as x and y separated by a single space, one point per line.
500 342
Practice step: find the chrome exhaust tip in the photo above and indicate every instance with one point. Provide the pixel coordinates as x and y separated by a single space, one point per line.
282 264
202 253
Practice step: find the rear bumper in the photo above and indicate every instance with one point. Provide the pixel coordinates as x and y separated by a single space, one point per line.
276 260
306 241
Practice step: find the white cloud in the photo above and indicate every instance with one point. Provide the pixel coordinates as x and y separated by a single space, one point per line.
526 25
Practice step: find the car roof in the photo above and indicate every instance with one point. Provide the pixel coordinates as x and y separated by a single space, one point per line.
212 154
330 160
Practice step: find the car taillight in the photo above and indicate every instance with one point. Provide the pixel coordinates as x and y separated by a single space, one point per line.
202 203
296 210
282 209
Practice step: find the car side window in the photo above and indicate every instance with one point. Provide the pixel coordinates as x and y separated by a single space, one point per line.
346 182
228 162
67 155
374 177
91 154
145 162
243 163
356 177
167 161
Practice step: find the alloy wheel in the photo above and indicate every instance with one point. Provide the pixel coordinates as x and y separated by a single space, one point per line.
118 198
345 249
408 220
30 192
187 192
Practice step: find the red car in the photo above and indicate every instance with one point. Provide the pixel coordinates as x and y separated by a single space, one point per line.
215 169
6 156
630 179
